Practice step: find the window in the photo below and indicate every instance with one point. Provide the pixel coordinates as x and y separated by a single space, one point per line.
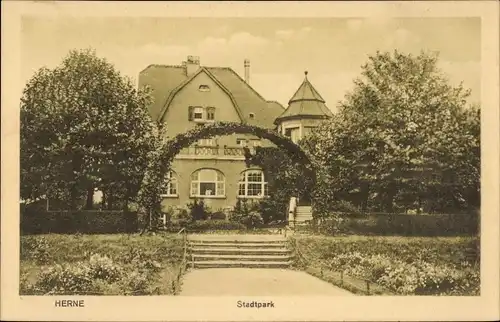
171 184
293 133
198 113
252 184
251 115
211 113
207 182
204 88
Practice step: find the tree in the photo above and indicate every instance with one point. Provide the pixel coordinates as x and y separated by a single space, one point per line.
285 177
83 127
404 138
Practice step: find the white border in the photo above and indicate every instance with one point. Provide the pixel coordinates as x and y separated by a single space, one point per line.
485 307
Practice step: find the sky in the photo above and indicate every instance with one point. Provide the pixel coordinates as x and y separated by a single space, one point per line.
332 50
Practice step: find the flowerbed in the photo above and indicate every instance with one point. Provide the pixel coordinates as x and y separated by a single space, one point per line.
98 264
418 278
403 265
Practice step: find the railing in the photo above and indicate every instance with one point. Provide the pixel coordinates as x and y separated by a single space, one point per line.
214 150
292 207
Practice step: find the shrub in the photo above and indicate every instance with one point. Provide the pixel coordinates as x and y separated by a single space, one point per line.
272 210
405 265
36 249
346 207
136 283
401 224
78 221
102 267
218 215
65 279
243 207
198 210
251 220
418 277
207 225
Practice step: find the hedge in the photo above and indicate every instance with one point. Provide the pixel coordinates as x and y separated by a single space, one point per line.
207 225
405 225
88 222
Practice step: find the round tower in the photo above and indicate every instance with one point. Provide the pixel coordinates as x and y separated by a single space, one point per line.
306 110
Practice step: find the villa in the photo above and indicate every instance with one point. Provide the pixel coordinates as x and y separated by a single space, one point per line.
190 95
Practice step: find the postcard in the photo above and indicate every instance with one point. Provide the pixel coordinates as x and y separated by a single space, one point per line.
241 161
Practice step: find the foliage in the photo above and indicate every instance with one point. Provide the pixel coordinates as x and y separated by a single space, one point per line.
198 210
286 178
83 127
252 220
154 182
83 221
422 266
165 152
65 279
173 147
103 267
243 207
211 225
218 215
401 224
36 249
246 213
418 277
73 264
402 139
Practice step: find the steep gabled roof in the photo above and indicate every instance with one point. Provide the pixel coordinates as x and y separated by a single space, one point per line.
166 81
188 79
305 103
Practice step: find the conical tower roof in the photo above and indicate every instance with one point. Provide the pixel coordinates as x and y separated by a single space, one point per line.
305 103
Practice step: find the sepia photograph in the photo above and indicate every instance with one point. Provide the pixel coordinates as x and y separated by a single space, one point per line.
253 157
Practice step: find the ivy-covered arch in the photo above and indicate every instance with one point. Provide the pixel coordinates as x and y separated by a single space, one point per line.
173 147
183 140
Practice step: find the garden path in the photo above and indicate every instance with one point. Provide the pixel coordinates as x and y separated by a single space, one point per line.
255 282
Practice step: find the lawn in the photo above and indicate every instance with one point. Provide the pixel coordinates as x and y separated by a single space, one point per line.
111 264
399 265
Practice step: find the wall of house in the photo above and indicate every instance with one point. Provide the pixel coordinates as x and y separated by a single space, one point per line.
176 116
177 120
184 168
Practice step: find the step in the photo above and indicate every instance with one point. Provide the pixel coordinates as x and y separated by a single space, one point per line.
261 238
240 251
235 241
238 245
238 257
250 264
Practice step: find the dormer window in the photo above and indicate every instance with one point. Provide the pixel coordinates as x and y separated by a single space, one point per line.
204 88
251 115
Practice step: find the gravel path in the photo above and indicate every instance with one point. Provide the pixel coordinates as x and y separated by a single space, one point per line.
253 282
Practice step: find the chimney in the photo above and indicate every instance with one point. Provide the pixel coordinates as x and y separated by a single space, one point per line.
192 65
247 71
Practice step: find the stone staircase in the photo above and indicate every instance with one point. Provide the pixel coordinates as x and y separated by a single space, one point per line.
251 251
303 214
